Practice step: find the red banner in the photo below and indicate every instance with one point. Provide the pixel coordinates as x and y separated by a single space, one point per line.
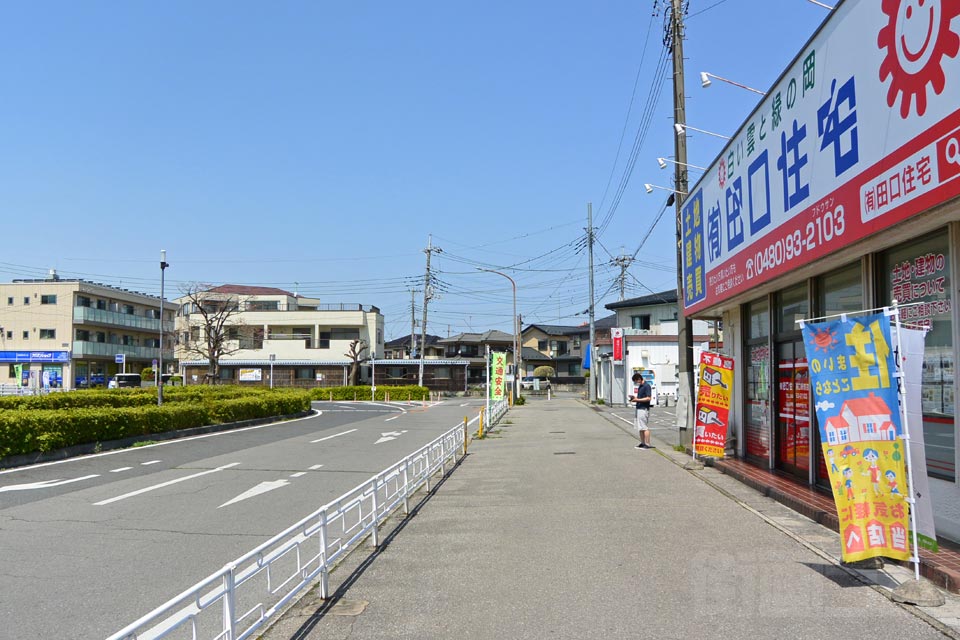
617 335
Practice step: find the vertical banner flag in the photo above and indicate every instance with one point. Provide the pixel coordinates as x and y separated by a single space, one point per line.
911 355
498 370
713 404
852 367
18 370
617 336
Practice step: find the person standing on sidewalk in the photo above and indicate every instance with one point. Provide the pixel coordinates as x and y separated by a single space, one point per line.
642 395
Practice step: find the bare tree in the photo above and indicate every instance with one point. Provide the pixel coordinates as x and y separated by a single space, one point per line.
210 315
355 353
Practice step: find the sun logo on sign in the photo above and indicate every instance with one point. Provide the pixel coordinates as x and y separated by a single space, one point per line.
824 339
722 173
917 37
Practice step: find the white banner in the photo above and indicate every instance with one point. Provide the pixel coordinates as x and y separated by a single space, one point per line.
911 353
251 375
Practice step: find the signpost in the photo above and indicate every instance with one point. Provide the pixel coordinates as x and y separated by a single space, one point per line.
121 359
273 358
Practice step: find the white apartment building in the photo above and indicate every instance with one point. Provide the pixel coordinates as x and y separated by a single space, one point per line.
300 340
65 333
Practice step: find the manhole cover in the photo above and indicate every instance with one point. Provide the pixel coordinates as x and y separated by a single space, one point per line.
348 608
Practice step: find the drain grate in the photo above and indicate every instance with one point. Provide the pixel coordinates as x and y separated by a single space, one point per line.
564 453
558 432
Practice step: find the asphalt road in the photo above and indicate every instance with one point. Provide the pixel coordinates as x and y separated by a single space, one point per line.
92 543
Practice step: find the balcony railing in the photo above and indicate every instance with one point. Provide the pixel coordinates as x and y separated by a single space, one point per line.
87 315
84 349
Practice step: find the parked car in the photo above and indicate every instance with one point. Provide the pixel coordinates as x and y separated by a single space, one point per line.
125 381
96 380
528 382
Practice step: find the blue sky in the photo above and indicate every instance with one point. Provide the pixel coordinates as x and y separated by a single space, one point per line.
314 146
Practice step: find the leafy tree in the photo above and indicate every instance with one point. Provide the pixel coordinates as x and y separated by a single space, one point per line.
544 372
210 317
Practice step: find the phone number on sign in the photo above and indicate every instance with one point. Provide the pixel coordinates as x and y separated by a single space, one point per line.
825 228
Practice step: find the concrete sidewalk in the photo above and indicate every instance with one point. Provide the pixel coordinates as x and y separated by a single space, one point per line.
557 527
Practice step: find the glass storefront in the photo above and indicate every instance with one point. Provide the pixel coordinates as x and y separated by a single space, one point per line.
757 423
792 433
917 275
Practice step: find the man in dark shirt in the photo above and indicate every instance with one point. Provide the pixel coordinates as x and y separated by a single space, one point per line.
641 397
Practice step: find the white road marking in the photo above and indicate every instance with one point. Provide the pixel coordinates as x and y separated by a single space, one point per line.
143 464
45 484
393 418
120 469
298 474
163 484
465 404
336 435
263 487
315 467
389 435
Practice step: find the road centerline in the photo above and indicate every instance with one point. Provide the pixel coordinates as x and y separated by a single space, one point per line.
336 435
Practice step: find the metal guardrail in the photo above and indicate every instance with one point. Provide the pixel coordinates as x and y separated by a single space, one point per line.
236 601
14 390
497 410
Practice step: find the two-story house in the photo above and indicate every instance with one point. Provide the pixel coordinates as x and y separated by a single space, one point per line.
650 328
562 347
471 349
299 340
73 333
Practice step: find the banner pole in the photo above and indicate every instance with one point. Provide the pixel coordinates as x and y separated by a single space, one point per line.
911 498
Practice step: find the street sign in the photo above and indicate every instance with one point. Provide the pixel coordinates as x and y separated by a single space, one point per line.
154 363
120 358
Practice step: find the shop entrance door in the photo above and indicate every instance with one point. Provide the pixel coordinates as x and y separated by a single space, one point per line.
792 434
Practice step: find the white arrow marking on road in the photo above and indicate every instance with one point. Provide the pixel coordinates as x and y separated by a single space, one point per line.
333 436
44 484
163 484
389 435
263 487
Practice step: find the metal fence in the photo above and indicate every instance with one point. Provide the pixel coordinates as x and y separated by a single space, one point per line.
238 600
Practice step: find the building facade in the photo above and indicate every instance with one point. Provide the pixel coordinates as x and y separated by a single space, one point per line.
69 333
837 195
274 336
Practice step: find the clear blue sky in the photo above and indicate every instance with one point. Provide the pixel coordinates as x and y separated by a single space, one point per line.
315 145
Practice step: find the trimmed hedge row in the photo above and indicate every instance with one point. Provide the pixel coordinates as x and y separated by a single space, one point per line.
129 397
28 430
411 392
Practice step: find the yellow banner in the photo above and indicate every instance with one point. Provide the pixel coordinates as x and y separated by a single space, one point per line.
869 485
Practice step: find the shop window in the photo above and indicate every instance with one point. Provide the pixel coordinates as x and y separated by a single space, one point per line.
840 291
48 299
759 314
792 305
917 275
48 334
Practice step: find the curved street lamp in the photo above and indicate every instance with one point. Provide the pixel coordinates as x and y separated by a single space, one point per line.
516 334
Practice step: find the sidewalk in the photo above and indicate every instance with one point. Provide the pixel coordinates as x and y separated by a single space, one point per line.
557 527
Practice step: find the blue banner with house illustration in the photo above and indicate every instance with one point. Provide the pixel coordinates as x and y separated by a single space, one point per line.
854 390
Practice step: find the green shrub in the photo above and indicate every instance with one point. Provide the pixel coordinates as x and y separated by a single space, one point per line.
27 428
342 394
520 400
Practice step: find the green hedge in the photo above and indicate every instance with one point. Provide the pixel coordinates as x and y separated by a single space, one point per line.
132 397
411 392
27 429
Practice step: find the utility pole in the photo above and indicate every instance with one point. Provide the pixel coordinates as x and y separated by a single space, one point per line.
427 294
685 323
591 383
413 323
623 261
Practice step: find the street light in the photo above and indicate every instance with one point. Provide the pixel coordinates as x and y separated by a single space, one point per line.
516 334
650 187
163 268
705 82
681 128
663 164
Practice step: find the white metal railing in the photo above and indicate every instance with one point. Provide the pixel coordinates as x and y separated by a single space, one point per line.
497 410
236 601
14 390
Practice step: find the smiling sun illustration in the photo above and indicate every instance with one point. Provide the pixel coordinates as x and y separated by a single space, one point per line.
916 39
824 339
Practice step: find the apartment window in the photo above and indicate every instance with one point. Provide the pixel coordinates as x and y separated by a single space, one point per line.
83 335
100 336
153 343
324 342
48 334
304 374
26 335
233 333
26 299
576 342
83 301
102 305
127 341
48 299
640 322
263 305
153 313
542 346
9 335
13 372
344 334
10 301
129 310
573 369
